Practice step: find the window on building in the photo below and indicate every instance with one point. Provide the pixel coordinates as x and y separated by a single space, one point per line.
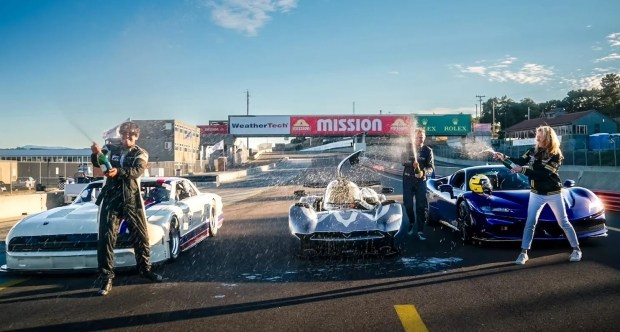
168 126
581 129
168 145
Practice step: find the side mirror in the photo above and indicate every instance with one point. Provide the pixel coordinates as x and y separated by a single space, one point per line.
387 190
569 183
446 188
299 193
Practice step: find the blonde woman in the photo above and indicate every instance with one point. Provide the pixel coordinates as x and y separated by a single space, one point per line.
541 164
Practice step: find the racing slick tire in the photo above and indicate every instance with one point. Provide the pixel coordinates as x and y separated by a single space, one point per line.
174 240
464 221
212 221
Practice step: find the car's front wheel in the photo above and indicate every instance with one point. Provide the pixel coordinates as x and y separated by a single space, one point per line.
212 220
174 240
464 221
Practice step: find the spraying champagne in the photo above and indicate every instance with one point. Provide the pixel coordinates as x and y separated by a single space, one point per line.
104 163
414 148
504 159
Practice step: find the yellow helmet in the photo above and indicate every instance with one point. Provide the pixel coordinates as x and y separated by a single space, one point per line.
480 183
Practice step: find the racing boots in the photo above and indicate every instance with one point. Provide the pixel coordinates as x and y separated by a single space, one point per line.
106 287
152 276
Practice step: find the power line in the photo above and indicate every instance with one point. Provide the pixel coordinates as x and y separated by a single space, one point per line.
480 99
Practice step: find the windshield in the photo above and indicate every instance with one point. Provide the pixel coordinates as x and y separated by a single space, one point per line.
89 194
156 191
503 179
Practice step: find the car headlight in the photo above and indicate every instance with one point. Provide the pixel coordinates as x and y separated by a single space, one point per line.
490 210
395 217
596 206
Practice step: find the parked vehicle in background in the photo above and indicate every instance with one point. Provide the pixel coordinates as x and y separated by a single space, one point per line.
74 186
2 186
24 182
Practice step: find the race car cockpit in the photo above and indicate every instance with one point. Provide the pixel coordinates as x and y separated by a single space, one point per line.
343 193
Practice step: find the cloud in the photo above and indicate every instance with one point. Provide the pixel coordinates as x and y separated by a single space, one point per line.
588 82
247 16
393 72
613 56
614 39
506 70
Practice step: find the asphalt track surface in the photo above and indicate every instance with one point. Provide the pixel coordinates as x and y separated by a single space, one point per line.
250 278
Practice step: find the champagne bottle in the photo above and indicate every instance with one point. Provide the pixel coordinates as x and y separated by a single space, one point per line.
508 163
417 169
104 163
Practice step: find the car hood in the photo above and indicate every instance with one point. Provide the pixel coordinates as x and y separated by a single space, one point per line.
74 218
70 219
514 203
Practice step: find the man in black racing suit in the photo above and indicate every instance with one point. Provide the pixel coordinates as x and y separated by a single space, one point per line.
120 198
417 169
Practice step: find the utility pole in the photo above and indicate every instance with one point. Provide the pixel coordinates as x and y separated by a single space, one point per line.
247 113
493 123
479 99
528 112
247 104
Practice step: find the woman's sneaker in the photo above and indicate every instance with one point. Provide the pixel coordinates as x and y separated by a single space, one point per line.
521 259
575 256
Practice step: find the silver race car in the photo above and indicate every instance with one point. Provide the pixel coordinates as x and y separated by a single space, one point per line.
346 218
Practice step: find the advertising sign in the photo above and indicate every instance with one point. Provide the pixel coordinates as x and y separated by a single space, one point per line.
213 129
348 125
445 125
263 125
482 127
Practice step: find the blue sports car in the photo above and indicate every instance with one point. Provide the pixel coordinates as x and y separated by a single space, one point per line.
497 210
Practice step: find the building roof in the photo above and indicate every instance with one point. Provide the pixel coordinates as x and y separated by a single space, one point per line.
44 152
556 121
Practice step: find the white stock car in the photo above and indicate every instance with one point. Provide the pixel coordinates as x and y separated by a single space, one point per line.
179 216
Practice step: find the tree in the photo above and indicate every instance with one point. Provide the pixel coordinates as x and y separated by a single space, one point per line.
581 100
610 95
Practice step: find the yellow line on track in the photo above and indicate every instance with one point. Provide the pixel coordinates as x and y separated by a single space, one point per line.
10 283
410 318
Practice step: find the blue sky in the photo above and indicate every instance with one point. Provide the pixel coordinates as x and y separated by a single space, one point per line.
90 64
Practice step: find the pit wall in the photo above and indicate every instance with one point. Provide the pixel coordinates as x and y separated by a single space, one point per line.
24 204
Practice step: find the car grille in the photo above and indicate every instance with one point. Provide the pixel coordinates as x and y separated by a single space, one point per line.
548 230
63 242
353 236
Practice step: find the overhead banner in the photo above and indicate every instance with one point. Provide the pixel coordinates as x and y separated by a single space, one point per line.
213 129
263 125
348 125
445 125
